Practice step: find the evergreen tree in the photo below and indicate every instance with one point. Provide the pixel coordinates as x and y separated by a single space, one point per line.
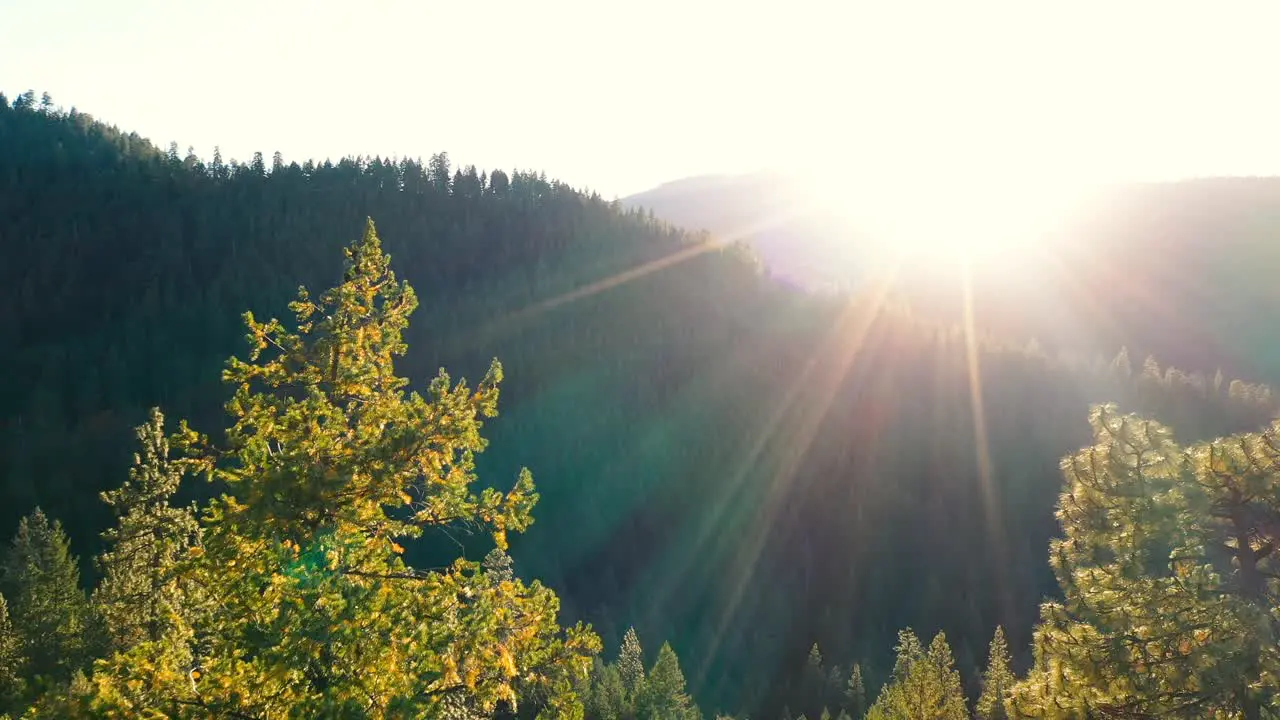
925 684
1121 365
140 597
631 664
498 565
438 171
664 696
46 605
1168 574
605 698
812 696
855 693
216 166
12 662
329 464
997 681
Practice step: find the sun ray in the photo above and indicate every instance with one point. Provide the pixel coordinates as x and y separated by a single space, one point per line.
837 351
484 335
982 446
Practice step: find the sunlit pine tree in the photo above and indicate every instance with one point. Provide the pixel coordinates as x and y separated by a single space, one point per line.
925 684
330 465
855 694
997 681
631 664
12 662
1169 577
140 597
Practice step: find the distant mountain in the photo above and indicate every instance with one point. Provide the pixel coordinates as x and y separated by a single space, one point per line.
1182 270
799 240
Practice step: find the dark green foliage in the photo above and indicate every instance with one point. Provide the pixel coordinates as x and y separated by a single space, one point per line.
605 697
818 687
141 597
623 691
664 696
47 608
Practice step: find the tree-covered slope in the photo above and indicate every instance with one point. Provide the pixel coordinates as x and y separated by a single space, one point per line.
724 462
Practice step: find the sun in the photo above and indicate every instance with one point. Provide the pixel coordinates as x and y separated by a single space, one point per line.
951 221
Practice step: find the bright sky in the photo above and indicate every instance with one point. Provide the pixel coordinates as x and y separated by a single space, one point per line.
622 97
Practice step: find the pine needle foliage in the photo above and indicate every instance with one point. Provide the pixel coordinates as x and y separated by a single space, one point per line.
330 464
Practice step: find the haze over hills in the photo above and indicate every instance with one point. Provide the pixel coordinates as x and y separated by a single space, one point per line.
1107 267
798 240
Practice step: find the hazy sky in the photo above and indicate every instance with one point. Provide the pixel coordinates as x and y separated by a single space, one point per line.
619 97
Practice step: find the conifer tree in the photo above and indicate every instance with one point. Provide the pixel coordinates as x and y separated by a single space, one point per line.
330 464
1121 364
499 566
47 608
664 696
814 684
855 693
631 664
997 681
140 597
1168 573
11 661
925 684
605 698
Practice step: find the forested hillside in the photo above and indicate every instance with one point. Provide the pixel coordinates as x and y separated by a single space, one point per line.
726 463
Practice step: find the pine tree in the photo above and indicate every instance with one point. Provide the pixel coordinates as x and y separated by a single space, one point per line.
12 662
925 684
855 694
46 605
499 566
1167 568
664 696
605 698
1151 369
438 171
997 681
812 696
140 598
1121 364
631 664
329 465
